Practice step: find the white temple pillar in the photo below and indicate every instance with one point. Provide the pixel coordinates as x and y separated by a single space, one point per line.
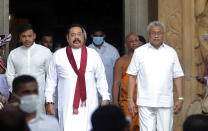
136 16
4 18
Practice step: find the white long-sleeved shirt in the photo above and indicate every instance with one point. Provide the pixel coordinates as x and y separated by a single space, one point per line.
62 76
109 55
32 61
155 70
43 122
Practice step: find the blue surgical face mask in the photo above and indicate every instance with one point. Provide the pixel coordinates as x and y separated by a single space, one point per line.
98 40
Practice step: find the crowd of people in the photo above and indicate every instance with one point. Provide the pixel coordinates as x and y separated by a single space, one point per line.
48 87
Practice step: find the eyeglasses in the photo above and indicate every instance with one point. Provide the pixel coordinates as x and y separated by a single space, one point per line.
132 41
156 33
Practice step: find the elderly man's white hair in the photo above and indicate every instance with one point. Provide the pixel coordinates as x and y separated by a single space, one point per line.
155 23
85 34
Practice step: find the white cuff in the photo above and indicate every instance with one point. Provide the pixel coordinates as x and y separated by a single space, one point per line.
106 97
49 99
10 89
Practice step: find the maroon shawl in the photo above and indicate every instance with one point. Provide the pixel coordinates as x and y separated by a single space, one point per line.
80 91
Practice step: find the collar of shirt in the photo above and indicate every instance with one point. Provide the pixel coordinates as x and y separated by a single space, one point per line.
29 48
38 116
103 45
150 45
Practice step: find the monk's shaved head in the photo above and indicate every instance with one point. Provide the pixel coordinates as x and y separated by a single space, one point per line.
129 36
132 42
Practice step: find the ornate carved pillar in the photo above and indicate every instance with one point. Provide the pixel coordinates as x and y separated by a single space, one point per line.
178 17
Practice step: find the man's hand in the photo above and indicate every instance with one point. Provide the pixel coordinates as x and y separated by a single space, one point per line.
105 103
178 106
50 109
179 89
131 107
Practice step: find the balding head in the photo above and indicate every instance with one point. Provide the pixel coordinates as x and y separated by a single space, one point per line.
130 36
132 42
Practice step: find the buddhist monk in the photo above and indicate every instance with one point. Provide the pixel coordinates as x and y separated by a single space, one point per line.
132 42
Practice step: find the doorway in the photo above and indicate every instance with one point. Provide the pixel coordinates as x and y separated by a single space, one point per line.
56 15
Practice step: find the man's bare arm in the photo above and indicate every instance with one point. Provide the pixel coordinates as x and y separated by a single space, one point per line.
131 86
179 89
116 81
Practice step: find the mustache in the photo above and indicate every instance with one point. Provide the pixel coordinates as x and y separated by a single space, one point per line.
77 40
156 38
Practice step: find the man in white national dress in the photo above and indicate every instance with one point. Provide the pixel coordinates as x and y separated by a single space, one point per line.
29 59
78 72
157 67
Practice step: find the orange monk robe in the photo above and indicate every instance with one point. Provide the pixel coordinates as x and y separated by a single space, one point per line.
124 102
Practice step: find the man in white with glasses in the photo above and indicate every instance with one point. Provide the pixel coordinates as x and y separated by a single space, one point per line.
156 67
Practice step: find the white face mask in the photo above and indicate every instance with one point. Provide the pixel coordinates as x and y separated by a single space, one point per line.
29 103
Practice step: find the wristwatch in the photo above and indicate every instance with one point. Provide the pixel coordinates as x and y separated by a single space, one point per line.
180 98
49 103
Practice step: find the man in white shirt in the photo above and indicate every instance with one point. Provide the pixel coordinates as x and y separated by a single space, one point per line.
31 59
25 89
156 67
108 53
78 73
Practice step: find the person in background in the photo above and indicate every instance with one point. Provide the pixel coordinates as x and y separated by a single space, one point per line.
142 39
47 40
108 53
4 90
132 42
4 39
